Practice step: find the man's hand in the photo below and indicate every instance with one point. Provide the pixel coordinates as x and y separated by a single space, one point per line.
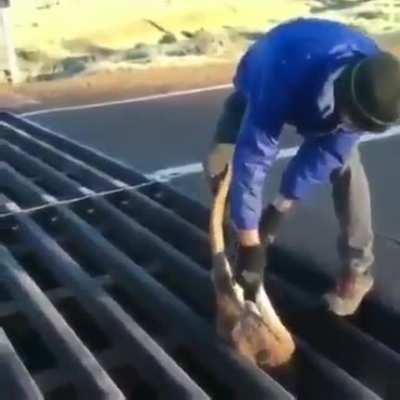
249 272
252 260
272 218
270 222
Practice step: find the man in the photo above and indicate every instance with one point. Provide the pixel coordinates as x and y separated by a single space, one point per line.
333 84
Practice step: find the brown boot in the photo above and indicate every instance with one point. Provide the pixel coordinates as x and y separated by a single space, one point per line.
349 292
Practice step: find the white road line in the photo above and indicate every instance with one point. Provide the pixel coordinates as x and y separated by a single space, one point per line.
128 101
168 174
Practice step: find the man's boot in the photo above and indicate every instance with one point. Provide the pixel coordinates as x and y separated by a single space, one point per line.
349 292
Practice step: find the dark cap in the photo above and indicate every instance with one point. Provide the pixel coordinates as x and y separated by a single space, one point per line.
369 92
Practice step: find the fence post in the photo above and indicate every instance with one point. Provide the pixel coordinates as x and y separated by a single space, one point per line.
6 27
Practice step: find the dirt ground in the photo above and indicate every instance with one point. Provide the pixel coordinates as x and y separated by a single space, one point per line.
108 86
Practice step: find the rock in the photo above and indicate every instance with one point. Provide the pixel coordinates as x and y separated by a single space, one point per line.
204 41
32 56
187 34
370 14
176 53
140 46
136 54
168 38
208 43
75 65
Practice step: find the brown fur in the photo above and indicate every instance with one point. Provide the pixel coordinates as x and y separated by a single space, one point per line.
253 329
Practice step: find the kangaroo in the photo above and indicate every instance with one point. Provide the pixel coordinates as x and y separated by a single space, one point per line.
253 329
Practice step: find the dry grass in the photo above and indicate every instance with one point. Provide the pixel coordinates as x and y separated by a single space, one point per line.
97 46
47 25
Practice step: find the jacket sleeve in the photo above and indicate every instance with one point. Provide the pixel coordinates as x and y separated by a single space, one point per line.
315 162
255 152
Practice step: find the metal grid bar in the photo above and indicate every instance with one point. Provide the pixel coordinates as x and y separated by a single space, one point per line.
142 208
186 274
352 338
137 346
59 160
88 155
169 226
128 229
15 380
374 353
77 360
327 334
196 214
325 374
51 379
56 296
83 232
167 308
116 231
156 300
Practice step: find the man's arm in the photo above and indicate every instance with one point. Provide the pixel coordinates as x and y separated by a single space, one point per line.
315 162
256 150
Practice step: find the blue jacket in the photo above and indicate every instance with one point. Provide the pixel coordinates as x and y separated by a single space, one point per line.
287 77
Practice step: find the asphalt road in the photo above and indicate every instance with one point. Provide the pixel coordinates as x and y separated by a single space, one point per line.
175 131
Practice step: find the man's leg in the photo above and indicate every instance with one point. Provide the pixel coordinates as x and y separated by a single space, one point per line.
224 141
221 153
352 201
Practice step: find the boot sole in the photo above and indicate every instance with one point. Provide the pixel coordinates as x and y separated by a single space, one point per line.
348 306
